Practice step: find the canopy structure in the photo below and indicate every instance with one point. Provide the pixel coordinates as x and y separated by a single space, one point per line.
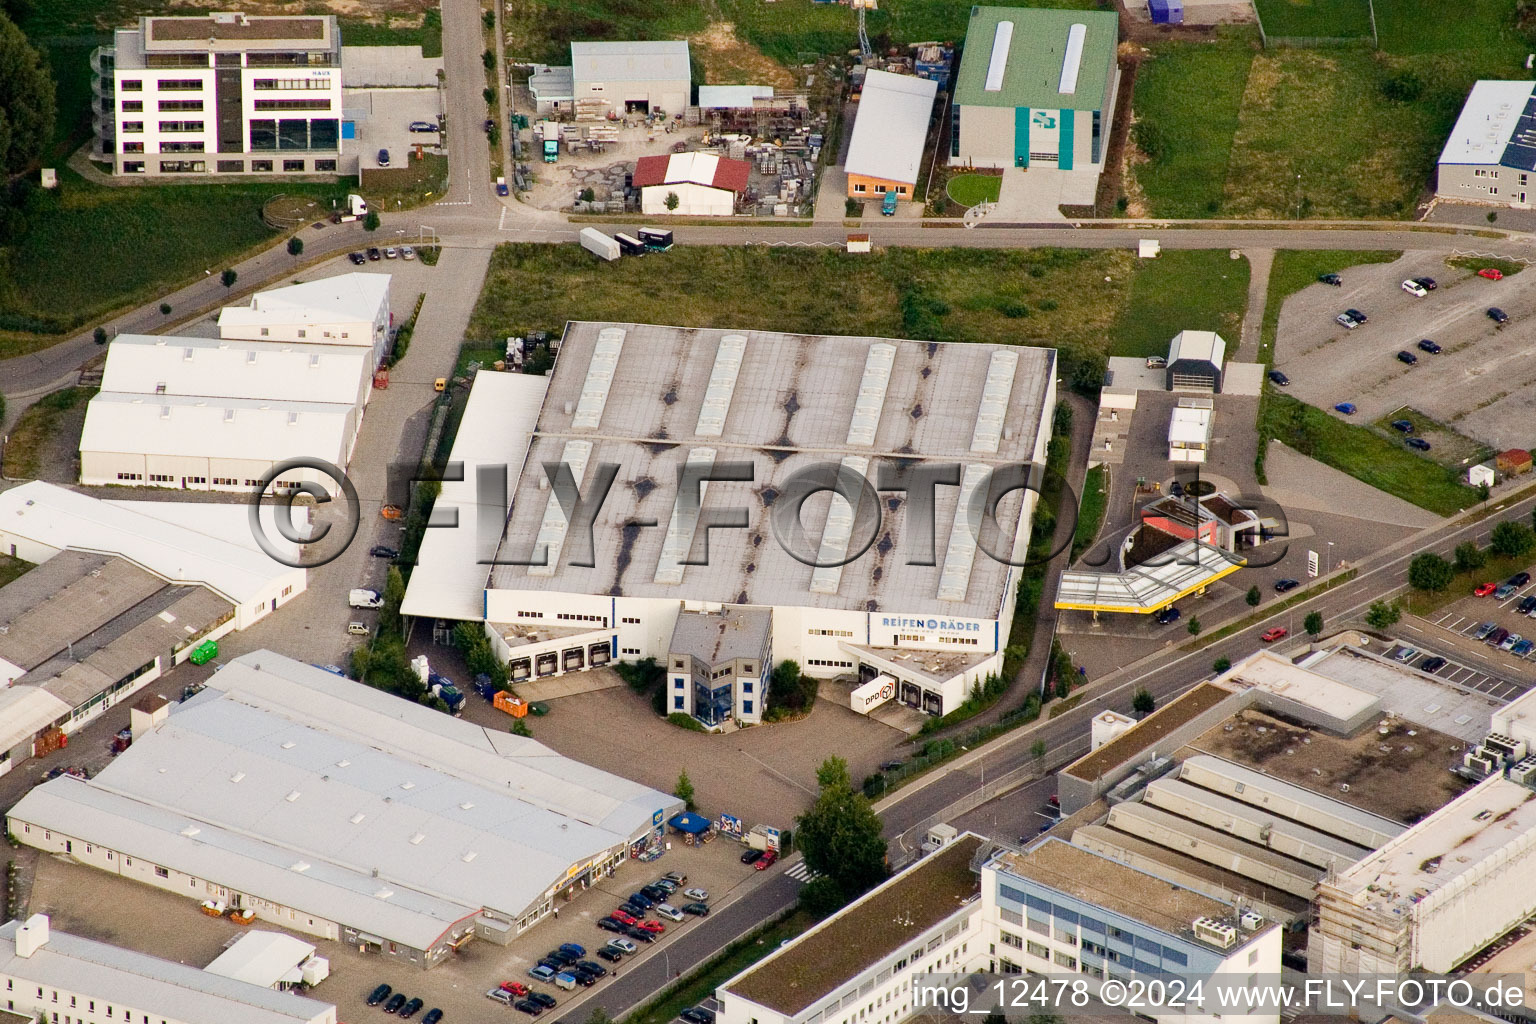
690 823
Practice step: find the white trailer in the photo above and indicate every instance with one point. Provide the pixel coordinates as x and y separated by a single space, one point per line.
599 244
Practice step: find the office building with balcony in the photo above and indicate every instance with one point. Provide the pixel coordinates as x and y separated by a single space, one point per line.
222 93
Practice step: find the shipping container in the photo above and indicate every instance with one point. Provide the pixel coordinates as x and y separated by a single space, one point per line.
1167 12
599 244
657 239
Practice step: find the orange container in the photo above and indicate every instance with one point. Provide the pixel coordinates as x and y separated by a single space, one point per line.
512 705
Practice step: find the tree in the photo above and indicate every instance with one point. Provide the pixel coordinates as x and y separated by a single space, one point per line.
1037 750
394 593
1254 597
99 335
1469 556
1194 625
1142 702
684 790
165 309
672 201
1430 572
833 772
371 222
1482 492
1381 615
840 835
229 277
488 58
1513 540
1220 665
1313 623
295 245
822 897
26 101
489 95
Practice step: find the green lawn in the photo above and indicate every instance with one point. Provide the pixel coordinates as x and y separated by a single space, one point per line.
1294 269
1364 454
88 249
1508 268
1449 448
1188 97
1182 289
1326 18
12 568
972 189
1090 515
426 32
1422 26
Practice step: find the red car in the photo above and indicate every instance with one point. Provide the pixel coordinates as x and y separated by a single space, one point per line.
623 918
654 927
1274 633
766 861
1491 273
517 988
1484 589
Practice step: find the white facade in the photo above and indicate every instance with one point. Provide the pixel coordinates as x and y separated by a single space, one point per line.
348 309
1189 430
692 200
58 977
224 93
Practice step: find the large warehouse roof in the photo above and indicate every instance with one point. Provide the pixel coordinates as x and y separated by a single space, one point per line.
449 579
260 430
323 794
1487 124
155 535
150 984
637 61
219 368
891 127
345 298
651 399
1037 58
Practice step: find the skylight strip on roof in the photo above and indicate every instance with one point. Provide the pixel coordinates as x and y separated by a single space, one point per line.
872 387
995 393
960 555
552 530
722 385
1001 41
839 530
1072 62
683 524
594 391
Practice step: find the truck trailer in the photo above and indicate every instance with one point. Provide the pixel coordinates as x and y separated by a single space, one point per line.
599 244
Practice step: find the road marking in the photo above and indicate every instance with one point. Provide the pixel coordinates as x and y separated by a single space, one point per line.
802 873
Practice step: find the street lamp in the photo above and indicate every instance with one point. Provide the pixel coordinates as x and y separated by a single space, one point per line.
1329 563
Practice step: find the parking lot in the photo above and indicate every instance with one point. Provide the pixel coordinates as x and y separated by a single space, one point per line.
1480 385
1468 617
383 118
1448 669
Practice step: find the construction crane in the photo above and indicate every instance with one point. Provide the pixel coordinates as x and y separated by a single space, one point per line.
865 52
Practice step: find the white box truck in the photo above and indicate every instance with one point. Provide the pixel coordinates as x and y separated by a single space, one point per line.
365 599
599 244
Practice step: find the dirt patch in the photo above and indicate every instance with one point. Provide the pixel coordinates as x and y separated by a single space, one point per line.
729 61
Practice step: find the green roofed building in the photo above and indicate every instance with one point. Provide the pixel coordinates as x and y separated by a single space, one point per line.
1036 88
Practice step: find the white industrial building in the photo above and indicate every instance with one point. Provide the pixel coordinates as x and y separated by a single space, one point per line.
224 93
55 976
640 77
271 960
214 414
705 184
347 309
783 404
343 812
191 543
1490 156
885 152
1189 430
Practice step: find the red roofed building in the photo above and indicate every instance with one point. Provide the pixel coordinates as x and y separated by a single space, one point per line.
1513 461
706 185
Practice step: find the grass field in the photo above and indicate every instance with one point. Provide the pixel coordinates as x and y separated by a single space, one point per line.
1188 98
32 438
1449 448
425 31
1508 268
971 189
12 569
1338 19
1090 515
1364 455
1183 289
1293 270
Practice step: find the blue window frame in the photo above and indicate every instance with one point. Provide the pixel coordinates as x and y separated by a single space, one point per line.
746 707
677 702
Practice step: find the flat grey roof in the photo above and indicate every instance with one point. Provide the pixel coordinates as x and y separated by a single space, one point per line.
714 637
651 398
636 61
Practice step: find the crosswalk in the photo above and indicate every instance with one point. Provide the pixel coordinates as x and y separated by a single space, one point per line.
801 872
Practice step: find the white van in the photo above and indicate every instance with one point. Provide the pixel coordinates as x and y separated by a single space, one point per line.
362 598
357 628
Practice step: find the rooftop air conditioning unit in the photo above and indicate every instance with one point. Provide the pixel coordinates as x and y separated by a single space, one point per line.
1218 934
1250 921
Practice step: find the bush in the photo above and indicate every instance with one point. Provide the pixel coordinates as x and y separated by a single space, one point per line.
1402 87
371 222
1221 665
229 277
99 335
1469 557
686 721
165 309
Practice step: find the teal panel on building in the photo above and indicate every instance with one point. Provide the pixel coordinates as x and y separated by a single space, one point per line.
1064 158
1021 136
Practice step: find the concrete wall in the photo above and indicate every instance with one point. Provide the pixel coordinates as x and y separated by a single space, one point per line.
986 137
1486 183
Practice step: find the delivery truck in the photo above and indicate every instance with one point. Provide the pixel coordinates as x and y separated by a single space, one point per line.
361 598
599 244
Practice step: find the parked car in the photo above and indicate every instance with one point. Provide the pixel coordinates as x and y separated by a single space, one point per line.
357 258
1418 444
1176 489
584 977
1427 283
1156 362
423 126
517 988
1432 665
391 253
1429 346
597 969
698 1015
640 899
1483 590
374 253
609 924
407 253
1508 643
541 973
529 1007
675 877
1496 637
1347 408
1484 629
1346 321
553 964
666 885
1522 648
383 158
696 909
1497 315
613 956
635 911
394 1004
574 948
655 893
1413 287
1167 615
410 1009
1491 273
1526 604
1286 585
379 994
1357 316
751 856
767 860
669 912
1504 592
1279 379
1519 579
500 995
640 934
1274 633
433 1016
652 927
1406 655
544 999
562 956
702 895
1333 279
623 945
1407 357
624 917
1406 426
